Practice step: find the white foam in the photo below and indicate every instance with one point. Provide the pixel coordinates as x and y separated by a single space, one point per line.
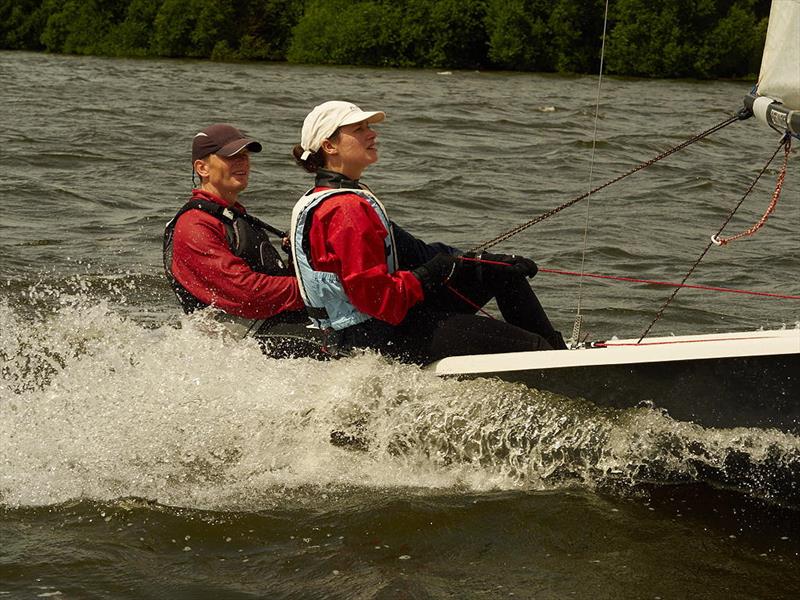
96 406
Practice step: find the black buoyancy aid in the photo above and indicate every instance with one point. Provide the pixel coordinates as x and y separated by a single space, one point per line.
247 237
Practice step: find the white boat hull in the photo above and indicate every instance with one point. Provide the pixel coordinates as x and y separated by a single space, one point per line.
749 379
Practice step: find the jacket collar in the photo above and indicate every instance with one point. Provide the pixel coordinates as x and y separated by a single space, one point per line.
332 179
200 194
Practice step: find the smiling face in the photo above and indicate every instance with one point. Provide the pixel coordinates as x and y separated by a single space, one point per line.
352 150
225 177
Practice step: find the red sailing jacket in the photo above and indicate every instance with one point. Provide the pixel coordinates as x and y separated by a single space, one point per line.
346 238
203 263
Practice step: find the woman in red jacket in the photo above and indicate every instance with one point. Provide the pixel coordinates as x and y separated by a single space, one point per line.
353 281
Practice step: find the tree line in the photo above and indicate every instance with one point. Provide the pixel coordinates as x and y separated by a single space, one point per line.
668 38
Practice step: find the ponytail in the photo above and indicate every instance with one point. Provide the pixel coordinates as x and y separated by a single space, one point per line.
315 160
313 163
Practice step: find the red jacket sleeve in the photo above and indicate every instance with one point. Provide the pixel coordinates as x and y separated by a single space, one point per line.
346 238
203 263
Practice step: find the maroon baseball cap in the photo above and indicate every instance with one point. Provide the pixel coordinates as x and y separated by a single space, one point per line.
222 139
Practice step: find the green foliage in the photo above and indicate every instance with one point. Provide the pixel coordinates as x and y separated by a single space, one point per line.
173 28
267 28
545 35
343 32
577 29
81 26
58 25
449 33
132 36
669 38
213 32
685 38
733 48
254 48
21 24
519 34
428 33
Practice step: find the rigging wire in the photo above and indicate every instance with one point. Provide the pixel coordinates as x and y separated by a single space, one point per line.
710 288
576 328
785 143
695 138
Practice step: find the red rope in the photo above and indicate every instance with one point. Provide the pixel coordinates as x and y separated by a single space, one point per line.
483 261
639 344
684 285
463 298
770 209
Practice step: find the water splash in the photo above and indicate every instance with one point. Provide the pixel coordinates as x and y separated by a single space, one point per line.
94 405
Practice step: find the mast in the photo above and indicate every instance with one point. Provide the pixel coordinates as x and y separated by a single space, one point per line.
775 101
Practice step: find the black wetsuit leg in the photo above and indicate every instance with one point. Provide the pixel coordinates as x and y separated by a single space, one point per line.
425 336
520 306
431 336
479 283
515 298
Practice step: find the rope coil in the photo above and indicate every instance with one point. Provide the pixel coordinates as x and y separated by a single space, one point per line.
715 239
785 141
718 241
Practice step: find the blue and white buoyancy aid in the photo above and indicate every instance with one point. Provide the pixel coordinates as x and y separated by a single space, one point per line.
323 293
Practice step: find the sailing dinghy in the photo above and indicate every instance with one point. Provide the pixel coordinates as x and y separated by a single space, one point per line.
748 379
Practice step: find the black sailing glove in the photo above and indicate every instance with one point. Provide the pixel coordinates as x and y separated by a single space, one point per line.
437 271
513 263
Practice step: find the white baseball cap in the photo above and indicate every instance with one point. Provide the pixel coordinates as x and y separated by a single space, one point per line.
326 118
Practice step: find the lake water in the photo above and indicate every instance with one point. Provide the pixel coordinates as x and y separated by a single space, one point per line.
144 454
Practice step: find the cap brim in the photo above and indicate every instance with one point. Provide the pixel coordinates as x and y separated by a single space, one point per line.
358 116
233 148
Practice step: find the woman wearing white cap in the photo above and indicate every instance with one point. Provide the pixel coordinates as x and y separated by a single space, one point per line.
353 279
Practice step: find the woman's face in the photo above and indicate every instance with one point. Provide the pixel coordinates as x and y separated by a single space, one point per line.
353 150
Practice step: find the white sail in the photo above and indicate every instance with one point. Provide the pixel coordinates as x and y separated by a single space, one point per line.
779 78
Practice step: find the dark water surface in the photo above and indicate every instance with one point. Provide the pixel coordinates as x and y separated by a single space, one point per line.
147 455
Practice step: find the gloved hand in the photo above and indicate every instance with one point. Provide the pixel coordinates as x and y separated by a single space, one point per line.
513 263
437 271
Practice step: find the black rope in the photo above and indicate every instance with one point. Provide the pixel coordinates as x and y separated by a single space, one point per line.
785 140
742 114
